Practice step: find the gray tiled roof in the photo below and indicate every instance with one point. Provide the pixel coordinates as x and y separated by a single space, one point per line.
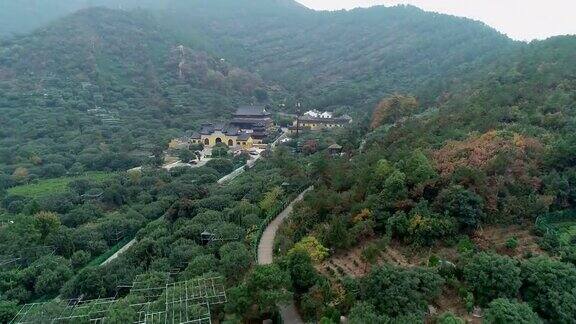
252 111
338 120
243 137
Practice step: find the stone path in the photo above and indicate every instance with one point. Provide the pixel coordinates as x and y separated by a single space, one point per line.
266 255
122 250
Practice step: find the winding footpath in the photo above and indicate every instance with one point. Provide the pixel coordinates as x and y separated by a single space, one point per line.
266 256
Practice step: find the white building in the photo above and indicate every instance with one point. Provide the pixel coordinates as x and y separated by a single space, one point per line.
318 114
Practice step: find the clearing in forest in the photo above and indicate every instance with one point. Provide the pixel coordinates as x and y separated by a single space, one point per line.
56 185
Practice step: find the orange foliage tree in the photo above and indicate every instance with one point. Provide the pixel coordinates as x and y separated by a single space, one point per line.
392 109
503 157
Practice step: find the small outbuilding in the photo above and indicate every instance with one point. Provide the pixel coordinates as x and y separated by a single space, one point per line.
335 149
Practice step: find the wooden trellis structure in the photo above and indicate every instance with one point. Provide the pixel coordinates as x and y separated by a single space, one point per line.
66 311
179 302
172 303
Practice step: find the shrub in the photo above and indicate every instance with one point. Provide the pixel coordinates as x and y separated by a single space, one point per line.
396 291
449 318
512 243
491 276
80 259
549 286
503 310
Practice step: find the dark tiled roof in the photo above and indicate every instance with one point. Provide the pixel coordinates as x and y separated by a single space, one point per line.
243 137
252 111
231 130
252 121
220 126
207 129
339 120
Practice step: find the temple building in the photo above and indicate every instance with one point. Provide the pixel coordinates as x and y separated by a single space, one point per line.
212 134
314 120
249 127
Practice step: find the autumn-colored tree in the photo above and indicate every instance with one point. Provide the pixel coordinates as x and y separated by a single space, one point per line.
487 151
313 247
392 109
20 174
310 146
363 215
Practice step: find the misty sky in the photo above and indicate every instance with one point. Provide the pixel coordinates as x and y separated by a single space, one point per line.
519 19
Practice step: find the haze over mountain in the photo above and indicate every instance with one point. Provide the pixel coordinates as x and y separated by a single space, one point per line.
520 20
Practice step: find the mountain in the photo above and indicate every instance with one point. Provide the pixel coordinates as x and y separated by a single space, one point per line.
510 131
344 57
166 67
471 148
106 77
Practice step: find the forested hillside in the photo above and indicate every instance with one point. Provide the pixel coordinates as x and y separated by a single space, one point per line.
344 58
89 87
452 197
485 183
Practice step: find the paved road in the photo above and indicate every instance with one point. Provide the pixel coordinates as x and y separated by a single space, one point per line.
250 163
266 255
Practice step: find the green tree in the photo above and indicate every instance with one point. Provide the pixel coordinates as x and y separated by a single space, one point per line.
121 312
502 311
200 265
384 169
370 253
48 274
270 199
492 276
80 259
8 310
363 313
395 187
186 155
338 235
549 286
418 168
449 318
301 271
235 260
264 288
46 223
222 166
396 291
464 205
220 151
312 247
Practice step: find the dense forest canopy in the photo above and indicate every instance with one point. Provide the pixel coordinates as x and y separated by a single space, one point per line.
451 194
